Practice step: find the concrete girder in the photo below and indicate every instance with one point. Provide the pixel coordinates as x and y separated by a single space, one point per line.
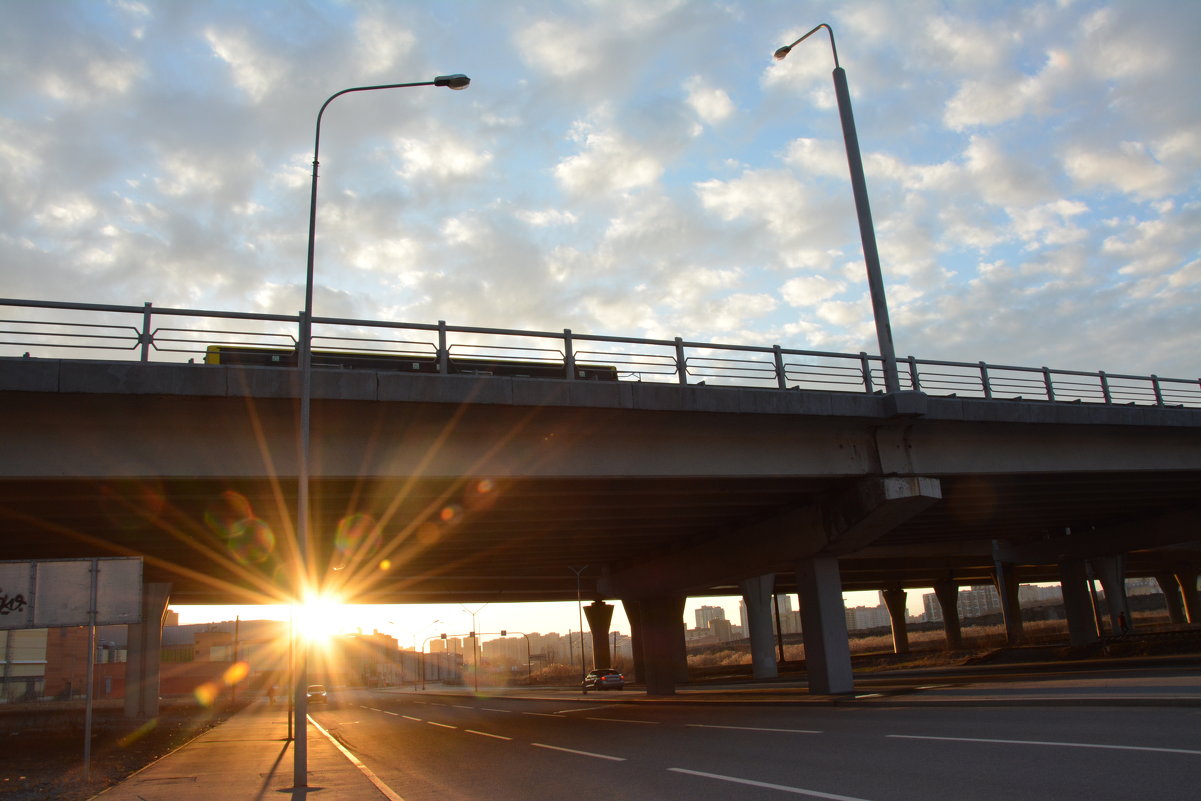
836 526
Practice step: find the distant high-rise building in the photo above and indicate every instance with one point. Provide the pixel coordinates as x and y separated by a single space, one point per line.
708 613
790 621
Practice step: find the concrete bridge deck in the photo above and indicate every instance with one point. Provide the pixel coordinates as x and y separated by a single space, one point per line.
434 488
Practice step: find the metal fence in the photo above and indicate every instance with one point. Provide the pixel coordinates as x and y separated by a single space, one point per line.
46 329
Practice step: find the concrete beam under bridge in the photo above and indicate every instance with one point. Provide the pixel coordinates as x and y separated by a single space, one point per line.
840 524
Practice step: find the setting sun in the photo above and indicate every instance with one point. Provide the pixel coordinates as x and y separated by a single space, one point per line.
321 617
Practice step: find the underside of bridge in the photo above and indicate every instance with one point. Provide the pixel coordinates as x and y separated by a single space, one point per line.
515 539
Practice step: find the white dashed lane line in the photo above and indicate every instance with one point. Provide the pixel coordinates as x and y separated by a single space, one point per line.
624 720
441 725
767 785
1189 751
579 753
751 728
486 734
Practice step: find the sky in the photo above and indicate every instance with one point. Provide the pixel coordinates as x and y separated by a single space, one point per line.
635 168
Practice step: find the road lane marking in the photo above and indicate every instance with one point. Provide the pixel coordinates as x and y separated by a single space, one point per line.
463 706
625 720
387 791
410 717
494 709
580 753
752 728
584 709
543 714
1046 742
443 725
386 712
486 734
768 785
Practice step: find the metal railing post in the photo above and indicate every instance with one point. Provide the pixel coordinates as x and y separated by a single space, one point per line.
917 384
1158 391
984 383
781 380
1048 383
867 372
681 365
443 351
568 355
1105 393
144 336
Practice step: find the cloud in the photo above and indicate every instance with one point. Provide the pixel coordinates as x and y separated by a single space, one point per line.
255 71
607 162
711 105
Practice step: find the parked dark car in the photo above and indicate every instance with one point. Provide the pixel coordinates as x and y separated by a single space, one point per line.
316 694
604 679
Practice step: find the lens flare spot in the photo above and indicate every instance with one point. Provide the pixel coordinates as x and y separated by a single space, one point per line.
484 486
429 533
131 504
385 564
450 513
357 534
138 733
235 673
207 693
225 511
251 541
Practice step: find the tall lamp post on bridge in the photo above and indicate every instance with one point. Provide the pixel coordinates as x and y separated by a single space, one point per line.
303 577
867 232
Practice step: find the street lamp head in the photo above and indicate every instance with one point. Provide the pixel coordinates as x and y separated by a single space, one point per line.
456 81
782 52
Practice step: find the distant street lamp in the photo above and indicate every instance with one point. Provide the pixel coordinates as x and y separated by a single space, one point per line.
867 232
580 609
303 577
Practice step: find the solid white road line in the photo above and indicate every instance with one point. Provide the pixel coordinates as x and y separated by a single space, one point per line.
767 785
580 753
1045 742
752 728
486 734
387 791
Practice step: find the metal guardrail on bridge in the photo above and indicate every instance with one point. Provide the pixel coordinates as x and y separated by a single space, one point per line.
47 329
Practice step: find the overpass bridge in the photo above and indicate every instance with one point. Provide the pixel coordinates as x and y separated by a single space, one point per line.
700 469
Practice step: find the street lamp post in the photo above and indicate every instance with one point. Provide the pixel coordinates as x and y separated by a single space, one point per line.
475 644
580 609
867 232
303 577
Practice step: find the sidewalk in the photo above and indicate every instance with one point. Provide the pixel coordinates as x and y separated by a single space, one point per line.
247 758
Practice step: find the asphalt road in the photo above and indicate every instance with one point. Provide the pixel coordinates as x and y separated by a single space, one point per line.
435 748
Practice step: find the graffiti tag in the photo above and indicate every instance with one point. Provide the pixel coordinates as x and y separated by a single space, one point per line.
10 604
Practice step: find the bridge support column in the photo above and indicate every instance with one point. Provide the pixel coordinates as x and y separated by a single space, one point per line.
824 625
894 599
1186 579
145 645
1077 602
600 615
757 595
947 592
663 644
1111 570
1005 579
1171 597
